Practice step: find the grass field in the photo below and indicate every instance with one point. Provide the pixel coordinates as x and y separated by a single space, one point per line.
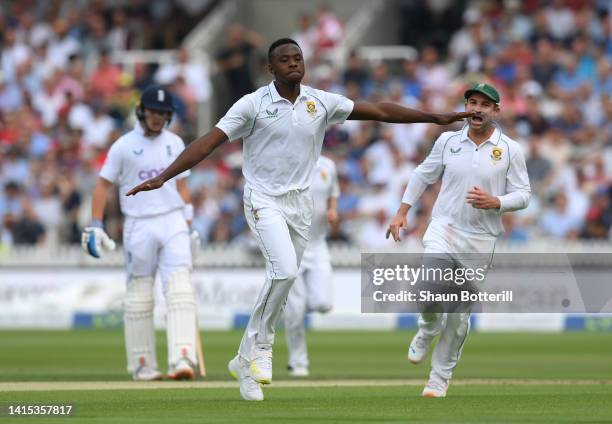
501 378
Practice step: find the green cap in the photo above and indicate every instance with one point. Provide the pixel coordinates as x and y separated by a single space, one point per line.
483 88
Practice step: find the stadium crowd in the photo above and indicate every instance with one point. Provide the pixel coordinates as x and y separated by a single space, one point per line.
63 101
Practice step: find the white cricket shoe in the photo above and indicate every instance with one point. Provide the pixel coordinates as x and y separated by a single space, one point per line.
435 389
182 370
146 373
261 366
419 347
249 388
298 371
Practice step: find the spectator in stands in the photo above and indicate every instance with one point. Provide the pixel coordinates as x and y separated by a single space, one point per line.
557 81
599 216
412 86
379 85
96 37
194 73
122 105
235 58
27 229
472 37
356 71
105 79
545 66
97 134
433 76
561 21
71 202
538 168
11 97
10 201
142 76
330 30
513 234
47 207
119 36
558 222
306 35
14 54
62 45
567 77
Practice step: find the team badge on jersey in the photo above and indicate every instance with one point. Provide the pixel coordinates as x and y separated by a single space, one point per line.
323 175
311 108
255 215
496 154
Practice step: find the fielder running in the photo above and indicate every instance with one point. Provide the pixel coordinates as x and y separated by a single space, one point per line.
282 127
312 290
483 175
156 238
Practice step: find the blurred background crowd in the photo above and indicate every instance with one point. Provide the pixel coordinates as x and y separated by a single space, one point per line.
64 101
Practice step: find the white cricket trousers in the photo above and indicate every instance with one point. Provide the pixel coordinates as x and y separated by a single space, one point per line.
158 243
281 226
453 328
311 292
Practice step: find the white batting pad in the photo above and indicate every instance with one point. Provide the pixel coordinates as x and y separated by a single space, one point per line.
138 324
181 317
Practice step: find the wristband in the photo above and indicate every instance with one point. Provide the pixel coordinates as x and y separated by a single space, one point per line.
97 223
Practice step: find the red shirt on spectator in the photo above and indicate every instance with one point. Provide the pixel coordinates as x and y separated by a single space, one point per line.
105 80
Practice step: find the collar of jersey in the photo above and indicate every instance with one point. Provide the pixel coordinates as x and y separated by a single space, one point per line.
140 131
277 97
494 139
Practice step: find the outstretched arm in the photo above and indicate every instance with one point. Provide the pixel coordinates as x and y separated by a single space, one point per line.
394 113
197 151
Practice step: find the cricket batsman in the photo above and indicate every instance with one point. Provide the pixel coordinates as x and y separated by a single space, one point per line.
483 175
156 238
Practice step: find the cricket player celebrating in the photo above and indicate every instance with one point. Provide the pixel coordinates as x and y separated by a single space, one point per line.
156 238
483 175
312 290
282 127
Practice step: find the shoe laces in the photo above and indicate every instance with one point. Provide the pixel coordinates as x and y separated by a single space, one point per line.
421 342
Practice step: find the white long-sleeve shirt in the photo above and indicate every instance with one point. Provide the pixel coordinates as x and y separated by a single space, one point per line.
496 166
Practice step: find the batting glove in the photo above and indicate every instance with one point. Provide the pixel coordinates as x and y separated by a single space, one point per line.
94 240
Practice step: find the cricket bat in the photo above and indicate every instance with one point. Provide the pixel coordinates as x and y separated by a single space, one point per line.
200 352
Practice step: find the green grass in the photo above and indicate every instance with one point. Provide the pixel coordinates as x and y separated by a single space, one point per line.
487 404
98 355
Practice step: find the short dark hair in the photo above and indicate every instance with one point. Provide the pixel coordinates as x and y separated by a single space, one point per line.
278 43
